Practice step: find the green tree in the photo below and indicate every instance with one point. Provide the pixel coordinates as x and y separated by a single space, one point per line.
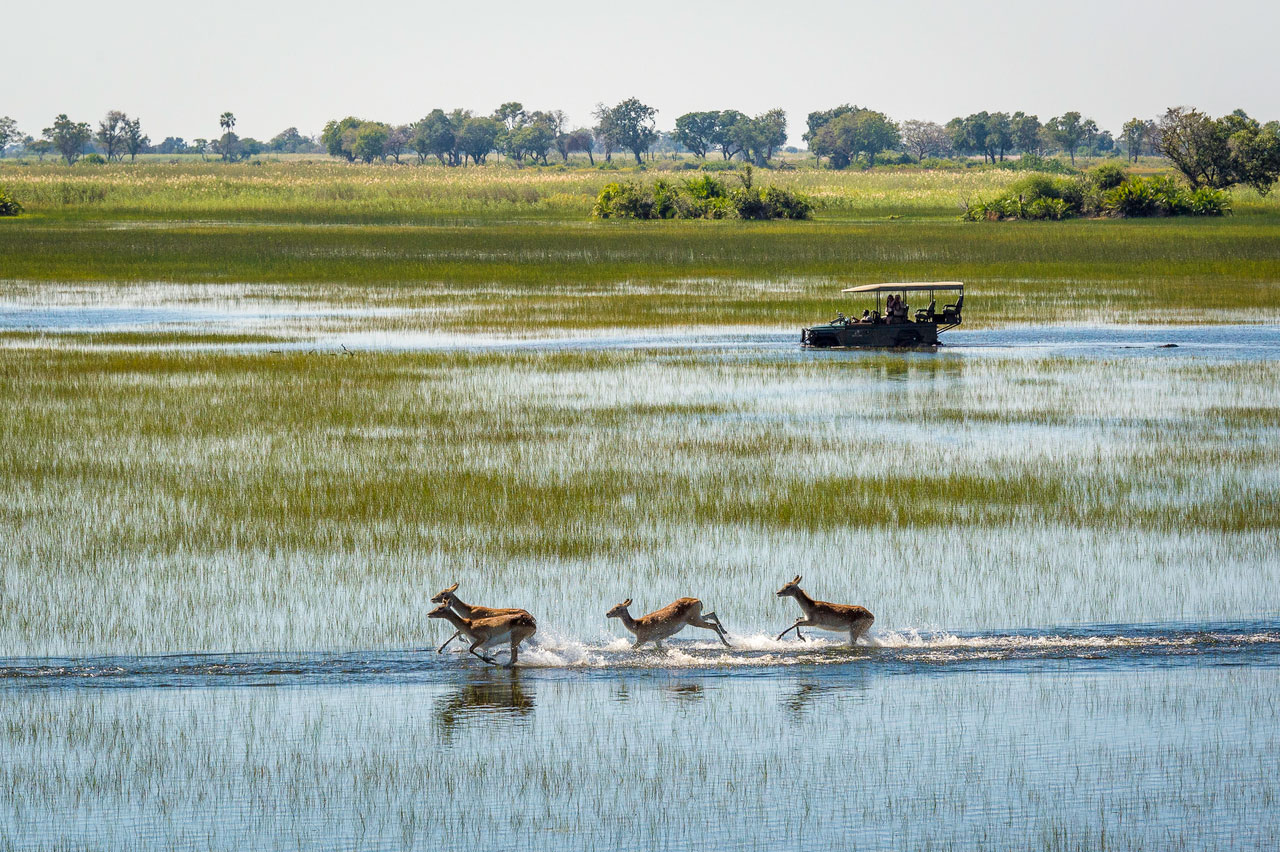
8 132
478 137
41 147
757 138
370 141
1132 132
229 145
696 130
110 133
287 141
726 136
1219 153
339 137
606 131
864 132
1066 131
69 137
1089 136
534 138
135 141
584 141
1255 151
988 134
399 138
1197 145
633 125
820 119
434 136
1025 130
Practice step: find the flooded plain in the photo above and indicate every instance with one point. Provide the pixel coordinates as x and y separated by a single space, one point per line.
219 554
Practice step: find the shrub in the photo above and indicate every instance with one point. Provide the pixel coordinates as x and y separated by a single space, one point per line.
785 204
9 205
94 159
626 200
1048 208
1108 176
1163 196
702 197
1036 163
1207 201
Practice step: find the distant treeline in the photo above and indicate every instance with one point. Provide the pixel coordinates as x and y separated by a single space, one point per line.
1209 152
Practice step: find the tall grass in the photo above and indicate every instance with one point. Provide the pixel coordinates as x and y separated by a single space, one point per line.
327 190
546 276
195 498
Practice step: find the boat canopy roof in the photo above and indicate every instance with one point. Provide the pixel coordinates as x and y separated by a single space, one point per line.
908 285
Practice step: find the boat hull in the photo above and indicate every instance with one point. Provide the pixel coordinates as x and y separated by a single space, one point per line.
868 336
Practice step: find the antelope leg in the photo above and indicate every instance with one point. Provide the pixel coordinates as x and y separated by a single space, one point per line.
490 660
455 635
712 625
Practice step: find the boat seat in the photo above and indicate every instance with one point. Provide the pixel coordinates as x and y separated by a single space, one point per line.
925 314
952 312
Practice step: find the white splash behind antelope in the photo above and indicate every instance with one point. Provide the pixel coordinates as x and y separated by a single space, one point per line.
668 621
841 618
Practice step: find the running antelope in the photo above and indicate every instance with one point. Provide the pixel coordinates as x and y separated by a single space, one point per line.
483 632
466 611
668 621
841 618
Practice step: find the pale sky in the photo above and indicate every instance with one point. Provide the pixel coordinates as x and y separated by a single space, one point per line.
178 66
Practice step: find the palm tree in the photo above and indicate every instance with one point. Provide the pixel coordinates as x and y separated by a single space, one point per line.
227 121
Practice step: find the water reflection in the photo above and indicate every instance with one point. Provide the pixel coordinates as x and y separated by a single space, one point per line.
491 696
689 693
807 694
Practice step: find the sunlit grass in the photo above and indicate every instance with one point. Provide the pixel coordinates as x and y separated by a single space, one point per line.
516 278
194 497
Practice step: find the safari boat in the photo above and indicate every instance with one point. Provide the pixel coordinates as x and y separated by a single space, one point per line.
894 324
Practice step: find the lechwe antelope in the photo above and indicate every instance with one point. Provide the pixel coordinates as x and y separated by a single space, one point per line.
668 621
841 618
467 611
514 627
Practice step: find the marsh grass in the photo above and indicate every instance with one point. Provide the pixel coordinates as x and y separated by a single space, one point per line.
664 274
330 191
195 497
1169 759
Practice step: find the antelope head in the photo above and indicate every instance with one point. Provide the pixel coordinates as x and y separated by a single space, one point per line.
445 596
619 610
789 590
441 611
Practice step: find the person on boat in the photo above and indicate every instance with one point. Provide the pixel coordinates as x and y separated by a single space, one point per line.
866 316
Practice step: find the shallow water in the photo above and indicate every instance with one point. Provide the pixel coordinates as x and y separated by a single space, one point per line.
308 327
1015 724
1124 736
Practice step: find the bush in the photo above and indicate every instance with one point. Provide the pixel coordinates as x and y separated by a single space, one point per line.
626 200
1108 176
1135 198
1163 196
94 160
1036 163
9 206
702 197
